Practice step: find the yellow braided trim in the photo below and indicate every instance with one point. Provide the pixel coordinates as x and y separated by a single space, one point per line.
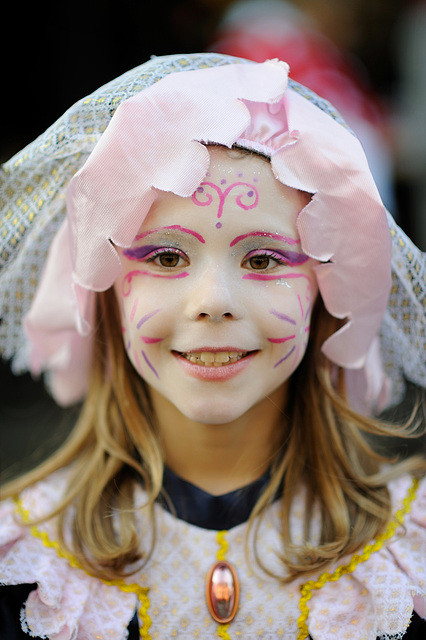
222 632
223 545
141 592
307 588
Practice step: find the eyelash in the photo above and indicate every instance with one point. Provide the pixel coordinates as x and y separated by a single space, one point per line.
265 253
163 251
258 253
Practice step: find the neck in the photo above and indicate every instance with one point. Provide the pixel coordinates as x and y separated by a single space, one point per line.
220 458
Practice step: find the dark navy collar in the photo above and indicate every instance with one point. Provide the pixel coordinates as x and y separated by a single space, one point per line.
195 506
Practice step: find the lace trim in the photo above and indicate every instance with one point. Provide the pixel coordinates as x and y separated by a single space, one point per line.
141 592
307 588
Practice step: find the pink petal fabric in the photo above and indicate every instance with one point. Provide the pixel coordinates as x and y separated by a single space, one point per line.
153 143
59 325
344 226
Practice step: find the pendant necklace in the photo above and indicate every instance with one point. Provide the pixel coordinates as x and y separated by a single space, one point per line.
222 589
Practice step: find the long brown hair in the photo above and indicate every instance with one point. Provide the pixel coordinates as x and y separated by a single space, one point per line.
324 447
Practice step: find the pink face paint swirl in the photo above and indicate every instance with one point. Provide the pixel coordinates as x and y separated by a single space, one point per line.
265 277
148 340
126 286
281 340
173 226
264 234
285 318
251 193
135 306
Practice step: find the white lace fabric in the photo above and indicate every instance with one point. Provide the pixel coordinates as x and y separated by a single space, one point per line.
376 600
403 331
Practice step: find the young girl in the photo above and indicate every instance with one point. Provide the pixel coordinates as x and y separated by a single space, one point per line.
222 287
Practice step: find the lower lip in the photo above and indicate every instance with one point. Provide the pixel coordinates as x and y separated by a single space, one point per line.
215 374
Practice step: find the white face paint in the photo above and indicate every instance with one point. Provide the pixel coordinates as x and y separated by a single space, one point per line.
204 322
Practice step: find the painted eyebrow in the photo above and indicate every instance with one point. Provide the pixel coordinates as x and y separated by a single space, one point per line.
173 226
263 234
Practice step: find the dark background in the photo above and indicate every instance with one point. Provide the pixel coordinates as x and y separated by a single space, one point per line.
56 53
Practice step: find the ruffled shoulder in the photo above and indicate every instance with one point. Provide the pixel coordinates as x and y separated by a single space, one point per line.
370 595
68 604
383 586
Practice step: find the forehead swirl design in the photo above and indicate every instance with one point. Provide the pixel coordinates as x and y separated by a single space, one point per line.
202 198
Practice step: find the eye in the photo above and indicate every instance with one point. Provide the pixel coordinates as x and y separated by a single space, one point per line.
168 258
259 262
263 259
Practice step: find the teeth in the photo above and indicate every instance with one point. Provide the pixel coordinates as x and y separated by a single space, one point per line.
208 356
211 359
218 357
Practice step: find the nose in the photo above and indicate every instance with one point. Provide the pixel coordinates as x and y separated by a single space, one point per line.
213 297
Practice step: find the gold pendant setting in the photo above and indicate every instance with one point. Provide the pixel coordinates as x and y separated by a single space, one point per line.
222 592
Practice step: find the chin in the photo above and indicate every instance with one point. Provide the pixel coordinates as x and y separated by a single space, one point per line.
212 413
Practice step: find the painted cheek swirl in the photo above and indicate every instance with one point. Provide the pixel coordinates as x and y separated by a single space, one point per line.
130 345
248 192
264 277
285 318
303 328
126 286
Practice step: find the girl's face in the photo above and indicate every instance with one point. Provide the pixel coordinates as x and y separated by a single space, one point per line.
216 293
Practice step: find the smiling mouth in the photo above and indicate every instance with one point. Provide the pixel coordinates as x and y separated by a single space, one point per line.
213 358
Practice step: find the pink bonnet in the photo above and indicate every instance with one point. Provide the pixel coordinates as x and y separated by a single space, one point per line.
156 140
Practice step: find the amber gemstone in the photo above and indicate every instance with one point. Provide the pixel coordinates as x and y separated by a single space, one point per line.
222 592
